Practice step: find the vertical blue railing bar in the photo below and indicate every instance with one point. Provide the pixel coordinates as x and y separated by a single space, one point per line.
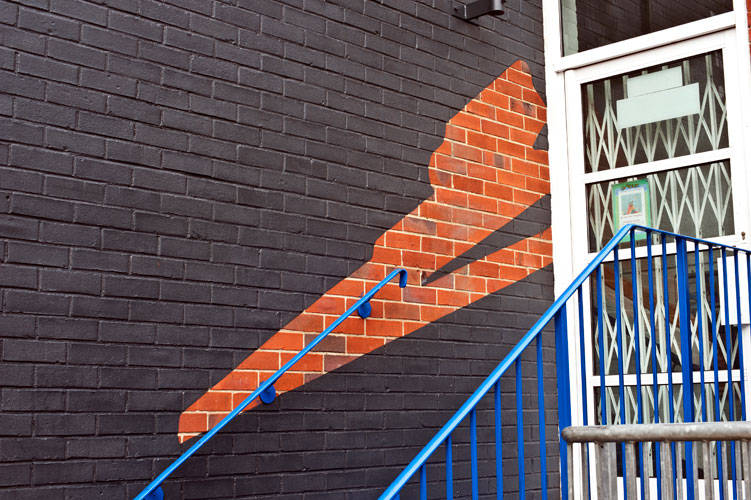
541 422
668 353
619 339
564 400
687 370
653 331
601 345
712 305
473 446
637 348
729 349
498 443
449 471
738 318
423 482
700 331
520 429
268 383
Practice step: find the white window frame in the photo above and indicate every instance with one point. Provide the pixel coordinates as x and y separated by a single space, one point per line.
563 190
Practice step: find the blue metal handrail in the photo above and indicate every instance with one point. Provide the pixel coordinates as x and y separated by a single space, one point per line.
558 312
266 390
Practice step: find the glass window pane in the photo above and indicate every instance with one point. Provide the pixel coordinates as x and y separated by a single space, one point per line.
667 111
587 24
694 201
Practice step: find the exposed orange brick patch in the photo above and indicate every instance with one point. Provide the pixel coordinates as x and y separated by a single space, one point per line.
484 174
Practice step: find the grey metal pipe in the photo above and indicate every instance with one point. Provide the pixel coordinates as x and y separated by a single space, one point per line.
699 431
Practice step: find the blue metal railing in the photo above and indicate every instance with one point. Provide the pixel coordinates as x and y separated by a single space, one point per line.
266 391
689 307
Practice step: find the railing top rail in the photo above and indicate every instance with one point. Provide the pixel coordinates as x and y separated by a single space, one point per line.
440 437
268 383
695 431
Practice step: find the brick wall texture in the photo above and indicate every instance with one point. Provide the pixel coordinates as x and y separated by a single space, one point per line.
185 181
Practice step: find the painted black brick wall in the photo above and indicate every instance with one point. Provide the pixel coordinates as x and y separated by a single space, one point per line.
178 180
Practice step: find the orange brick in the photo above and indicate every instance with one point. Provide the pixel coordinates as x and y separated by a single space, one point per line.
479 108
525 167
466 120
528 260
453 298
494 128
443 149
508 88
371 271
538 185
282 341
531 96
468 184
306 322
511 149
439 177
482 141
540 247
263 360
533 125
331 343
494 221
510 209
467 152
522 78
350 287
214 401
485 268
238 380
452 231
482 172
494 98
403 241
385 327
396 310
483 203
437 246
239 397
503 256
391 291
451 197
470 283
525 197
363 345
327 305
437 211
215 418
429 314
419 226
420 295
331 361
412 326
499 191
538 155
455 133
311 362
419 260
354 325
191 421
512 179
289 381
525 108
387 256
469 217
512 273
523 136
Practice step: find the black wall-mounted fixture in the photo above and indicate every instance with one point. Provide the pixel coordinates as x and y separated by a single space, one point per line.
478 8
